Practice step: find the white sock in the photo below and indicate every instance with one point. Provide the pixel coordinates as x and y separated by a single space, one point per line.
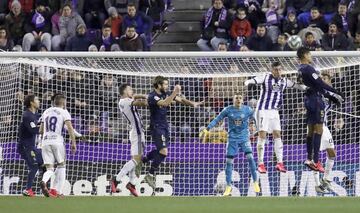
129 166
132 176
278 148
328 168
60 178
261 150
47 175
317 178
53 180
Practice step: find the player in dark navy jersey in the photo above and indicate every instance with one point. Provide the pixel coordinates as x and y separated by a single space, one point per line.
159 101
317 90
28 131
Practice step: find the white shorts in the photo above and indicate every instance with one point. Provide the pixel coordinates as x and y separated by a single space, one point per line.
53 153
268 120
137 142
327 141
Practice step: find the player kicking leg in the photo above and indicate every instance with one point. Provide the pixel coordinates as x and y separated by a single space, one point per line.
128 106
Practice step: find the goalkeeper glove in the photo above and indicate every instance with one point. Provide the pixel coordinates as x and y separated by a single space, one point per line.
203 133
336 98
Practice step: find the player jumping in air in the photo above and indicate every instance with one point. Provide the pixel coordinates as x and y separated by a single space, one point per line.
128 107
267 114
315 106
159 101
238 116
53 148
327 144
28 130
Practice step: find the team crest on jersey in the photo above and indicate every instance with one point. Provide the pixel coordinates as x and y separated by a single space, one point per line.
276 87
242 116
156 98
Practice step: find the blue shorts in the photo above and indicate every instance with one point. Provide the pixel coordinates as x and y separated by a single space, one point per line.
315 109
160 137
234 145
32 156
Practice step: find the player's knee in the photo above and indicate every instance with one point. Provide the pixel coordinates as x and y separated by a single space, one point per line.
137 158
163 151
249 156
331 153
261 143
262 135
61 165
49 167
276 134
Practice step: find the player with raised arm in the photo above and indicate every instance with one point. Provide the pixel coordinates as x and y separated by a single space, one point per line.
159 101
238 116
28 131
53 148
128 106
327 143
267 112
315 106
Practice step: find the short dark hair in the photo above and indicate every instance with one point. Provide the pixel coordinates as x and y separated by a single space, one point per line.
301 52
58 98
315 8
285 35
28 99
106 26
240 9
122 88
67 5
308 33
326 74
131 4
159 80
261 25
275 64
222 43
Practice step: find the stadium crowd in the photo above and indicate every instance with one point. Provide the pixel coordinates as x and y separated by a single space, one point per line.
265 25
79 25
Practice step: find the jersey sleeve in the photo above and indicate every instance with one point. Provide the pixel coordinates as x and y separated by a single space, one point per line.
218 118
123 103
67 116
256 80
153 100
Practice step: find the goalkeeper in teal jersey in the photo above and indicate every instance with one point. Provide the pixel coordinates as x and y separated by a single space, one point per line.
238 116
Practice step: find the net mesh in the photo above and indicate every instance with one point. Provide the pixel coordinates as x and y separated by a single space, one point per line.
194 166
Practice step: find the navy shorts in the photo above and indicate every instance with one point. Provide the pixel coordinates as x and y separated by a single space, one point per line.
32 156
160 137
315 109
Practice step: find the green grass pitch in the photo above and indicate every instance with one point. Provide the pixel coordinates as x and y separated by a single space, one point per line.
15 204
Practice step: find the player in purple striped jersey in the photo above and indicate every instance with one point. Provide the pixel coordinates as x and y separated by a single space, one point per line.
128 106
267 114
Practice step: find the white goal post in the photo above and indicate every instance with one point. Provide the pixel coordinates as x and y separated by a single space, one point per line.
194 167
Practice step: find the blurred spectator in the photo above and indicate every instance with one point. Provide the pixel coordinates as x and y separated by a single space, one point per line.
290 24
154 9
317 20
108 93
38 28
76 5
4 9
275 5
115 21
273 17
142 22
240 29
354 17
327 8
169 6
55 18
357 41
68 23
302 8
6 44
26 5
255 14
218 134
120 5
14 23
311 43
95 13
131 40
105 41
222 47
341 18
215 26
79 42
334 40
281 44
259 41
